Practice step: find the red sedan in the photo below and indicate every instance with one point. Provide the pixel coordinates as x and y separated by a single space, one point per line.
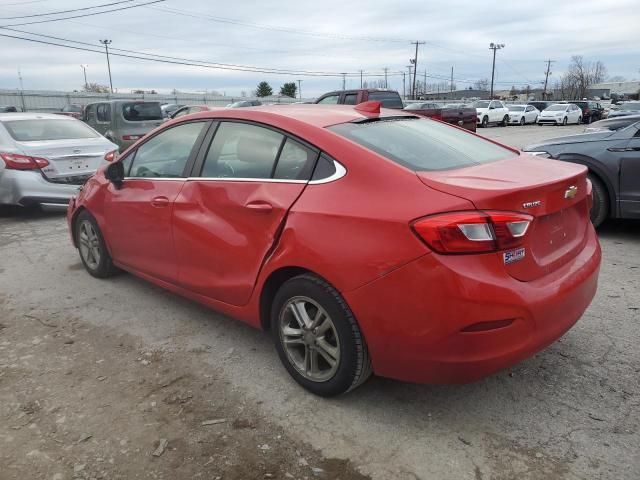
367 241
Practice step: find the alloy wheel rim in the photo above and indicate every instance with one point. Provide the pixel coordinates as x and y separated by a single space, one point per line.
89 245
309 338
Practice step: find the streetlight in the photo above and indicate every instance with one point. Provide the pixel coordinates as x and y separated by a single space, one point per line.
494 47
84 70
106 44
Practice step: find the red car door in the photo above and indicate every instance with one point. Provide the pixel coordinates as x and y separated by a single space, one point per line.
227 218
138 215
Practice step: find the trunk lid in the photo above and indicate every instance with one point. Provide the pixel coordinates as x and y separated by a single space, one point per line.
554 193
69 158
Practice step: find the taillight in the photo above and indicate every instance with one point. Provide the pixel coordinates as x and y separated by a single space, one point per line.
110 156
474 231
132 137
15 161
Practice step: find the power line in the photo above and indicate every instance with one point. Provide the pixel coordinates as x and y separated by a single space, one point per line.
84 14
67 11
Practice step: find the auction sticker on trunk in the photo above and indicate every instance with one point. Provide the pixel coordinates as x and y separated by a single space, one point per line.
511 256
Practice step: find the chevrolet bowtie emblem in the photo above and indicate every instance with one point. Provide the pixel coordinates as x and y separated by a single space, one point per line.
571 192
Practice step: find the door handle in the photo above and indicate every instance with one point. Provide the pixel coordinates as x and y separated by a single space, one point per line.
160 202
260 206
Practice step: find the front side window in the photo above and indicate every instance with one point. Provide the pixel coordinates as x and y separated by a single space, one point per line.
241 150
103 113
141 111
331 99
166 154
422 145
38 130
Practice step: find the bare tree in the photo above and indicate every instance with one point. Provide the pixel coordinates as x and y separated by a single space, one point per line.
95 88
482 84
581 74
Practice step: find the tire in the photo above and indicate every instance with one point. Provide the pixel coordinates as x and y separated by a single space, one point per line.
565 121
505 121
579 121
600 208
340 335
587 120
536 119
522 122
91 245
485 122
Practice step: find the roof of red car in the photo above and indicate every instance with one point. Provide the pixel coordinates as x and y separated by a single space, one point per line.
312 114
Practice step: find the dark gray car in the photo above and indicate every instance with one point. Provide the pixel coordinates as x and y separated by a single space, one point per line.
613 159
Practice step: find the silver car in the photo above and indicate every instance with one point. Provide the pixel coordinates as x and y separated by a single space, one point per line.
45 158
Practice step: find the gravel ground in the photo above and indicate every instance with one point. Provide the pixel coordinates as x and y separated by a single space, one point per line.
95 374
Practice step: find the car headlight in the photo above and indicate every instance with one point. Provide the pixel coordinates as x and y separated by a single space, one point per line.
539 154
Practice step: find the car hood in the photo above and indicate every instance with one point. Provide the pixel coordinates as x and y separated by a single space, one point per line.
579 138
552 113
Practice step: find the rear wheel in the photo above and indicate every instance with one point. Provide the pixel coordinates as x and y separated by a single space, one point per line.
317 337
93 251
600 208
485 122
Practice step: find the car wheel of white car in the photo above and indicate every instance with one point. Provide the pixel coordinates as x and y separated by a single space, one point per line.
579 121
565 121
485 122
505 121
522 122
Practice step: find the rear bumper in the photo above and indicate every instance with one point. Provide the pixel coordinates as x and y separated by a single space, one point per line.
27 187
413 317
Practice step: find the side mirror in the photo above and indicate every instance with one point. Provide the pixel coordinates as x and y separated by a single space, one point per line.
115 174
492 108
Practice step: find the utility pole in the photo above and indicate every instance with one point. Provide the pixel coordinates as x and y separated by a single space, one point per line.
360 78
404 90
300 88
106 44
385 77
344 80
451 82
415 66
84 70
409 82
494 47
546 78
424 86
20 78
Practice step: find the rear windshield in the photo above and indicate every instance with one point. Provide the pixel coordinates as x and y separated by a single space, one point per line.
612 124
72 108
516 108
47 129
421 144
630 106
139 112
388 99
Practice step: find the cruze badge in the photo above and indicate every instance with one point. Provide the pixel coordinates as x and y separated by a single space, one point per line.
535 203
571 192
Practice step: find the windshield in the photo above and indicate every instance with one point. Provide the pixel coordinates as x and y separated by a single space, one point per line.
48 129
557 108
481 104
516 108
631 106
139 112
613 124
422 145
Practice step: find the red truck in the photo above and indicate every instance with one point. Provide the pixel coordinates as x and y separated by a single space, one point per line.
388 98
454 113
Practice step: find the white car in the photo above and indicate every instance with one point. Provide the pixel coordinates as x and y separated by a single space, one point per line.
45 158
491 111
561 114
523 114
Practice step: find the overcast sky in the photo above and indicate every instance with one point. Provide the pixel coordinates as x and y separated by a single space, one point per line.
329 36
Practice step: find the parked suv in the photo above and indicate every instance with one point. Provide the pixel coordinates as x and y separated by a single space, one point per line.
388 98
591 111
491 111
122 121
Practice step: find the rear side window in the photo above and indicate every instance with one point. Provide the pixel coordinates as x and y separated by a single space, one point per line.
295 161
388 99
324 168
240 150
422 145
166 154
46 129
351 98
140 112
103 113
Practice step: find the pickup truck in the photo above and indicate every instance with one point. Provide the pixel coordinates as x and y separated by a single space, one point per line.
388 98
491 111
459 115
